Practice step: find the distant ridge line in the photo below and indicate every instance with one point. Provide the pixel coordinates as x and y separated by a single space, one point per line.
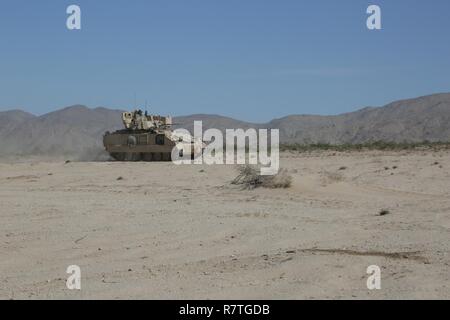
77 130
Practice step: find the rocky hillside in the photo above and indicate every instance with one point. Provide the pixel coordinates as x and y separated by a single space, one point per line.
77 131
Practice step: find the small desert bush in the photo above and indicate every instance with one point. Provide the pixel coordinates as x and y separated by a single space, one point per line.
250 178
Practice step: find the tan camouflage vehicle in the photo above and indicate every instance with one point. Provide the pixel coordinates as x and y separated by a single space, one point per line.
147 138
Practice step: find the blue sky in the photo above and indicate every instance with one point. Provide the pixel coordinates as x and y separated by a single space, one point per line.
250 59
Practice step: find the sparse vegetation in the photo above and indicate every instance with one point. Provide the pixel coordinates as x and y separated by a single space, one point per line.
250 178
377 145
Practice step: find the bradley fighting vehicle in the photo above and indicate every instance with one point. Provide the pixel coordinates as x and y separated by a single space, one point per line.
147 138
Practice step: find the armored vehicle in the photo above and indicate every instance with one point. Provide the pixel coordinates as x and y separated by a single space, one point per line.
147 138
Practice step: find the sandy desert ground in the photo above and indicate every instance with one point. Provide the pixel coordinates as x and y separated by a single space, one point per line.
184 232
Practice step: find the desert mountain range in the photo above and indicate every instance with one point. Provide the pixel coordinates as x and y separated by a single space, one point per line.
77 131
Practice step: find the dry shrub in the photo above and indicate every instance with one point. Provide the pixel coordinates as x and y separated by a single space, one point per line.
250 178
